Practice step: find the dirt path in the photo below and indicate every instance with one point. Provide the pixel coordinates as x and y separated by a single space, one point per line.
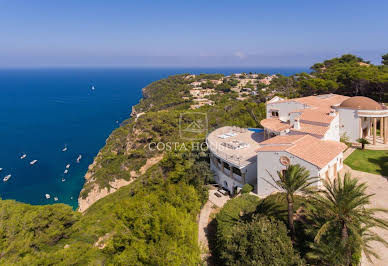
377 185
213 205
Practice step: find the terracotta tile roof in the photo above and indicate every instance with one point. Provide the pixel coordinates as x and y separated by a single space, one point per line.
321 101
320 128
307 128
314 120
316 115
315 151
274 124
288 139
273 148
360 102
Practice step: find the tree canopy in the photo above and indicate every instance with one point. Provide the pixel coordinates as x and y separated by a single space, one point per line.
384 60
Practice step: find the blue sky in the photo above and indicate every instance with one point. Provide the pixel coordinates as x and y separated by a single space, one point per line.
189 33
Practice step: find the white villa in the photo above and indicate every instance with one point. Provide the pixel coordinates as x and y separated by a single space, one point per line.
303 131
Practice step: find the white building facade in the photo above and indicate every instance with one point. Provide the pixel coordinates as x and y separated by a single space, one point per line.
233 156
304 131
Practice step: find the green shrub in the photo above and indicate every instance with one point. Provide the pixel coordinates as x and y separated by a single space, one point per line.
261 241
246 188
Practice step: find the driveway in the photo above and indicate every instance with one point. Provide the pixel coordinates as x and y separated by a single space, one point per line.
214 203
377 185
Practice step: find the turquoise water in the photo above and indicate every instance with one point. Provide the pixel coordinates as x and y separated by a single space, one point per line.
43 110
257 130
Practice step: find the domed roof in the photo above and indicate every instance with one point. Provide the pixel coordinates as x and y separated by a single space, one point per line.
362 103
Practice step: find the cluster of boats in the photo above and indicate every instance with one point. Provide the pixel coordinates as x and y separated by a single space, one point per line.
48 197
67 167
7 177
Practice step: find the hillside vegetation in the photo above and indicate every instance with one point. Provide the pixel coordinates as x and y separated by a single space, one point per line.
153 220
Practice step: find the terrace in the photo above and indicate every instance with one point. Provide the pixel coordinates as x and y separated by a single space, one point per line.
235 145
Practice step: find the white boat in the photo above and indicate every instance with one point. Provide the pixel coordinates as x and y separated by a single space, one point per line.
55 199
93 88
79 158
33 162
64 149
66 171
1 169
67 166
63 180
6 178
47 196
23 156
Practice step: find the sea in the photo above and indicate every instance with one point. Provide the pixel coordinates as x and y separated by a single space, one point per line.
44 110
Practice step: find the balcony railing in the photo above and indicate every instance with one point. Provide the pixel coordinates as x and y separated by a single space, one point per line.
236 160
227 172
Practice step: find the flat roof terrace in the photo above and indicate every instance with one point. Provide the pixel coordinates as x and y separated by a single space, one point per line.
235 145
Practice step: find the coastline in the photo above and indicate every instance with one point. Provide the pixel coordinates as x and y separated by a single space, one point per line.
81 118
130 136
96 192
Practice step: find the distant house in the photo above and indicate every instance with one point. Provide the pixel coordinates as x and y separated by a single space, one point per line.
196 83
201 102
216 81
190 77
267 80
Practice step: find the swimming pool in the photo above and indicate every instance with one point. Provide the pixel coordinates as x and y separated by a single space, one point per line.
257 130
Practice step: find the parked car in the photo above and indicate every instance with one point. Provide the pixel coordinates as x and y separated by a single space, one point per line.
223 191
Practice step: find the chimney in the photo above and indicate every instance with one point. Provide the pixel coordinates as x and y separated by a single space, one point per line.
296 123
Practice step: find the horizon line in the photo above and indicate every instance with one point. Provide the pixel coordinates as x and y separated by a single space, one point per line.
150 66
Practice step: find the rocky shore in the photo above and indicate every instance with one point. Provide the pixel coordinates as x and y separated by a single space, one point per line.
97 193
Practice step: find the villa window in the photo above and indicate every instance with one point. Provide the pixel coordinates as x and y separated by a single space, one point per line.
236 171
275 113
226 165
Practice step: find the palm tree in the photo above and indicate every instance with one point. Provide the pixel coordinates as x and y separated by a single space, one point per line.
363 142
294 179
343 206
